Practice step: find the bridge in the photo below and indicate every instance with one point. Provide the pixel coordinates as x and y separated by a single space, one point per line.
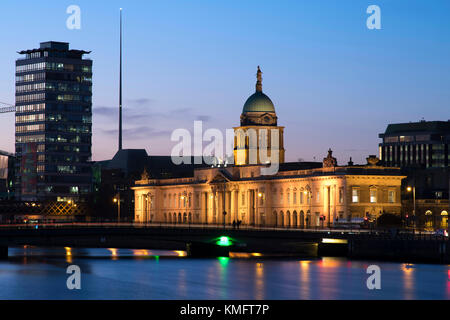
207 240
165 237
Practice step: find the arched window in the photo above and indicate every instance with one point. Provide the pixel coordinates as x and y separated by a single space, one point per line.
428 219
444 219
288 219
294 219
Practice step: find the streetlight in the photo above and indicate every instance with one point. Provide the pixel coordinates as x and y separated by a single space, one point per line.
413 189
308 198
117 200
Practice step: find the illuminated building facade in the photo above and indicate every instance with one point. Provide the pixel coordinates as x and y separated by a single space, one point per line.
294 197
53 123
300 194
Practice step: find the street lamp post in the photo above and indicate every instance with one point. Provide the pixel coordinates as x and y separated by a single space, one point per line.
224 206
308 198
413 189
117 200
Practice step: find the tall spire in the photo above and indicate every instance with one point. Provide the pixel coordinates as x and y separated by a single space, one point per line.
259 80
120 85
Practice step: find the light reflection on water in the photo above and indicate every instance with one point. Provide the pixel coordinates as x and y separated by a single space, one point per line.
40 273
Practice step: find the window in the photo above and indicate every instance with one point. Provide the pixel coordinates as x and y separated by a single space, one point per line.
295 196
243 198
390 139
288 196
391 196
197 200
373 195
341 195
301 197
355 195
318 196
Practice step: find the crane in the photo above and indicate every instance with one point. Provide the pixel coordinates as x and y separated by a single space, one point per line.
6 107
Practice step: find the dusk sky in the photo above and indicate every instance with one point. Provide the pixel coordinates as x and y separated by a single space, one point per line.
335 83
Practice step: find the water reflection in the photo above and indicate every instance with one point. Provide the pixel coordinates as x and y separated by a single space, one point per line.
305 275
68 254
223 276
408 281
40 273
114 253
259 281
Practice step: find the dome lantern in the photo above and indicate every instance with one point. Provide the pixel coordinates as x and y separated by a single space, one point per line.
258 102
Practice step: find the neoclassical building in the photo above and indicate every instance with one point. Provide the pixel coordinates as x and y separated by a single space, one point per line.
300 194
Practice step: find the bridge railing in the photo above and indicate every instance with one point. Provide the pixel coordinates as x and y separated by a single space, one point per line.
407 234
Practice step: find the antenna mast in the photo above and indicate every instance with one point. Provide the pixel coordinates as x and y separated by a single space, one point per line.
120 86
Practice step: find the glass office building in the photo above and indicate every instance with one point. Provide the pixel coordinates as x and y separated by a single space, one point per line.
53 123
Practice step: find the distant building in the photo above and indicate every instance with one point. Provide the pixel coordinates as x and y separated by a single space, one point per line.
114 179
423 144
299 195
53 123
7 162
421 150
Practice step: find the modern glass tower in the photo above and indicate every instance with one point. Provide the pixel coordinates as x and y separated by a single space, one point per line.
53 123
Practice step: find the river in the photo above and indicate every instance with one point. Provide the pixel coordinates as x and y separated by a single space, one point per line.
40 273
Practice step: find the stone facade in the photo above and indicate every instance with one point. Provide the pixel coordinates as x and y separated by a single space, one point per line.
294 198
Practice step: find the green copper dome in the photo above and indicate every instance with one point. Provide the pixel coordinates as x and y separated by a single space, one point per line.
258 102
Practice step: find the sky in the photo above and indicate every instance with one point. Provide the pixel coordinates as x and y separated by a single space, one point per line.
335 83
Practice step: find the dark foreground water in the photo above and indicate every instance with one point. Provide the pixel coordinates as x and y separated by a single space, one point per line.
40 273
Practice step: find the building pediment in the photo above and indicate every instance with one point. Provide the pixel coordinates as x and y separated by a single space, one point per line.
220 177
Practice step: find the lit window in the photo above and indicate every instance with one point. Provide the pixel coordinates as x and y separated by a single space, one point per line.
373 195
391 196
355 195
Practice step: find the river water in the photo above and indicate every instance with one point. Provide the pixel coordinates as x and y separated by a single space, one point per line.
40 273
